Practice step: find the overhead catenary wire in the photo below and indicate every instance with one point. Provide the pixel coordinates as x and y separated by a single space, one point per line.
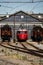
12 8
6 6
21 1
21 4
34 7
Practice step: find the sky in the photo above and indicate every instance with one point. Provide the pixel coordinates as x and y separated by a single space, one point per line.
26 7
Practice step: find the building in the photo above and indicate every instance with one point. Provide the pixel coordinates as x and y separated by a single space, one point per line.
18 18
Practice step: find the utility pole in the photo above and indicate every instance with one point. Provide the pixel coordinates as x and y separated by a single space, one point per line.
14 31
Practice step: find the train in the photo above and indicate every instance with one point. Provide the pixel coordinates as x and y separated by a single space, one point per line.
6 33
37 33
22 35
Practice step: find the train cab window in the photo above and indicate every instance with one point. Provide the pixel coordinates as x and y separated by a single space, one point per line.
22 32
25 31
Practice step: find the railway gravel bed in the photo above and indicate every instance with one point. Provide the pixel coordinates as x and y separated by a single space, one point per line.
21 55
24 49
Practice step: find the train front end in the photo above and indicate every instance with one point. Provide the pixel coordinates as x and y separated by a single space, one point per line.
6 33
22 35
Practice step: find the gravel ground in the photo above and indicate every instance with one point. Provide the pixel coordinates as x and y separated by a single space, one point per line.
19 58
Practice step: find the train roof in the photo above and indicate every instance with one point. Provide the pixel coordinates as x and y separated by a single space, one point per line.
22 30
37 28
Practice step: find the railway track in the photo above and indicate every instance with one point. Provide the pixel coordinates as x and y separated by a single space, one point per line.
35 47
32 46
24 49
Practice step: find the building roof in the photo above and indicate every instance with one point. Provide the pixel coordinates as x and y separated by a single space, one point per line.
35 16
39 16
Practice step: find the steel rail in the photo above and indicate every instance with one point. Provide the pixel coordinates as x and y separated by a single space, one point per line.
24 51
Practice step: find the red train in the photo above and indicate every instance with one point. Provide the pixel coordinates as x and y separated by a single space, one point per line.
22 35
6 33
37 33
